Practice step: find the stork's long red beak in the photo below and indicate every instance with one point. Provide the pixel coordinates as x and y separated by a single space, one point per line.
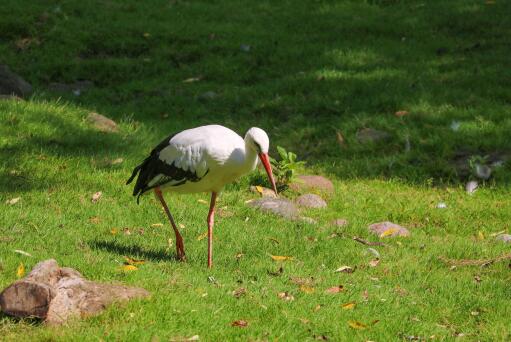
265 159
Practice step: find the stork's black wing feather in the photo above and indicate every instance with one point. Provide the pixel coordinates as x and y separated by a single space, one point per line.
153 166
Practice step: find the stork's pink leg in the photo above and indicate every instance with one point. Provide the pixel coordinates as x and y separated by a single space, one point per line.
211 221
180 247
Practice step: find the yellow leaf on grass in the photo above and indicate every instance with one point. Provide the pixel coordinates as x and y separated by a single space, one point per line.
20 272
259 189
281 257
131 261
156 225
129 268
389 232
202 201
202 236
114 231
480 235
307 289
357 325
348 306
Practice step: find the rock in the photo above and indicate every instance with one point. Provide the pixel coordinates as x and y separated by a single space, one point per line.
12 84
483 171
471 187
339 222
278 206
504 238
76 87
384 229
312 182
310 201
102 123
371 135
264 192
209 95
10 97
54 294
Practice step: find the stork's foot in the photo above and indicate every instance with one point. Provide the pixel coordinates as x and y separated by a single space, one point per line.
180 250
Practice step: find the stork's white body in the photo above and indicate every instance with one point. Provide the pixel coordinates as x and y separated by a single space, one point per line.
216 154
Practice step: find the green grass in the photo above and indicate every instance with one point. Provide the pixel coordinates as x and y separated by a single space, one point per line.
313 69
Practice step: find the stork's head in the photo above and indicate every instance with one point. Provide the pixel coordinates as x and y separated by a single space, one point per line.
257 140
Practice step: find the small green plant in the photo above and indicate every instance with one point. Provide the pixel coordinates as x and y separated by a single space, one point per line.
285 169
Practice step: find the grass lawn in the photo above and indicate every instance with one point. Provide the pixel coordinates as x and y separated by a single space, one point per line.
304 71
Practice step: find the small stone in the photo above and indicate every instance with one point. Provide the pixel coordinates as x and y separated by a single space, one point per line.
209 95
384 229
13 84
311 201
504 238
102 123
278 206
371 135
471 187
339 222
312 182
483 171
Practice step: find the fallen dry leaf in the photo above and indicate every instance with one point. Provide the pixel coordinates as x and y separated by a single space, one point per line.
340 139
19 251
316 308
239 255
357 325
286 296
13 201
281 258
302 281
95 219
157 225
389 232
401 113
96 196
192 79
131 261
348 306
374 263
202 201
335 289
365 295
129 268
259 189
202 236
240 323
306 289
20 271
239 292
114 231
345 269
126 231
480 235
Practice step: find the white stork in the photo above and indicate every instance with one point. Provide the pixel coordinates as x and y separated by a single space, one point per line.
201 159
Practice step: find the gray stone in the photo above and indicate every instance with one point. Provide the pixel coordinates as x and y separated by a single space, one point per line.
278 206
339 222
311 183
12 84
102 123
371 135
56 293
310 201
504 238
388 229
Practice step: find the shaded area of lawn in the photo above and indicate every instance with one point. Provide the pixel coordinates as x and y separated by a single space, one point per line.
313 69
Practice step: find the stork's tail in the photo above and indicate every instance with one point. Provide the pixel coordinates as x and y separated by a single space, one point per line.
141 183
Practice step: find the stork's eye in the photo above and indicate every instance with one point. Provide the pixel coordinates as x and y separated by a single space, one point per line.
258 147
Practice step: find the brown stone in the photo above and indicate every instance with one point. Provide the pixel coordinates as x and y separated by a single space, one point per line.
310 201
102 123
339 222
54 294
388 229
312 182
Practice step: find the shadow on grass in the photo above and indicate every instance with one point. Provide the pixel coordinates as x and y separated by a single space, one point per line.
132 250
